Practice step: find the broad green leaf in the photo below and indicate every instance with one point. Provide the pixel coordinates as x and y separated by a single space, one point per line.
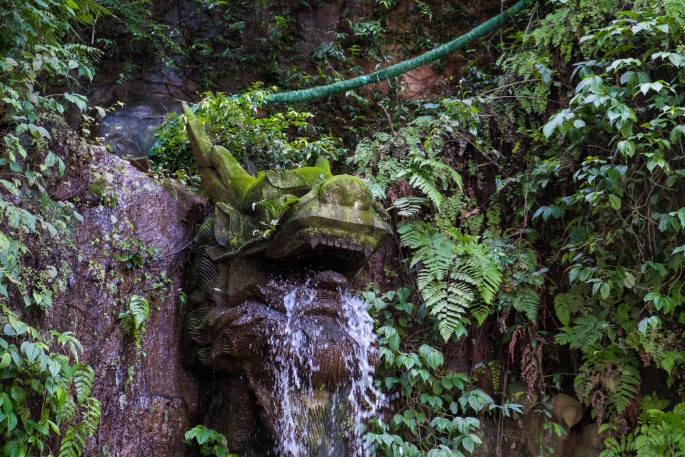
615 202
432 356
655 86
5 360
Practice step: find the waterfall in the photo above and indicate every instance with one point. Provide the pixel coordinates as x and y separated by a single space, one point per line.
323 386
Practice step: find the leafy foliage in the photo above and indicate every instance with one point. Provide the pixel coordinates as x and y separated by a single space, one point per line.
628 93
589 250
46 393
210 441
455 272
43 391
410 154
35 44
258 142
658 433
434 407
134 318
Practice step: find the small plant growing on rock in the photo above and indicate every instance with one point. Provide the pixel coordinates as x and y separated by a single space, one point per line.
211 442
134 318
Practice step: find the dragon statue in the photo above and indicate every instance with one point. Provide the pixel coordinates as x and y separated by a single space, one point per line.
271 261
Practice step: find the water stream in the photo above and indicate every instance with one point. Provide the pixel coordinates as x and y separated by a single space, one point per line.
323 387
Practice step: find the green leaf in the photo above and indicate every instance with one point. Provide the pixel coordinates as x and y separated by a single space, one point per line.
468 443
677 133
615 202
432 356
655 86
644 324
556 122
5 360
39 131
11 187
31 350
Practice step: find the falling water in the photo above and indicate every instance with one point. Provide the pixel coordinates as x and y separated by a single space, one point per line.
316 419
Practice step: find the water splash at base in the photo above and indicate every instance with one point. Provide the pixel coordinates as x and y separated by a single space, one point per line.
323 386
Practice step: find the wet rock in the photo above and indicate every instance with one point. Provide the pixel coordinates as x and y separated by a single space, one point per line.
128 131
591 443
523 436
148 399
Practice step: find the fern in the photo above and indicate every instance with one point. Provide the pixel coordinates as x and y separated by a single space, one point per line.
83 381
608 380
621 447
527 301
565 305
72 443
424 174
455 274
491 280
659 433
67 411
424 183
134 318
408 206
480 311
587 331
91 415
628 386
74 440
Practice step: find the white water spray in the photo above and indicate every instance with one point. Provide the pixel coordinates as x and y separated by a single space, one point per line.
314 418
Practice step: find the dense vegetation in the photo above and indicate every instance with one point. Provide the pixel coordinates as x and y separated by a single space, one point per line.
45 391
541 198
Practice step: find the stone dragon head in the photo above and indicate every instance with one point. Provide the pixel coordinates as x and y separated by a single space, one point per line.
273 236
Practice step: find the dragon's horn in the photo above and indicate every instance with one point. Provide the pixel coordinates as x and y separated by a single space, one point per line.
200 142
223 178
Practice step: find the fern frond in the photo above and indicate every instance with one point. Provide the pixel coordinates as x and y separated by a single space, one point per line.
527 301
455 273
491 279
437 170
616 448
461 294
83 381
408 206
480 311
434 294
72 444
451 312
134 318
67 411
463 277
628 387
139 307
426 185
91 416
415 235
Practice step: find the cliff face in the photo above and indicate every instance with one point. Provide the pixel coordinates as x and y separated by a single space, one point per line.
132 242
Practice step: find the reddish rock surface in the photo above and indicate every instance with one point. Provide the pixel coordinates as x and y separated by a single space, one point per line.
148 399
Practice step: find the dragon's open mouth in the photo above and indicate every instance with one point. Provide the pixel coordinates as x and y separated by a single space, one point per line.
342 243
327 250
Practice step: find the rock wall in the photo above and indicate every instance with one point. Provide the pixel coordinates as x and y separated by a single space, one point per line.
148 398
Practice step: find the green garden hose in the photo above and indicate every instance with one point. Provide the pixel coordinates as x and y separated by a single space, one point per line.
306 95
